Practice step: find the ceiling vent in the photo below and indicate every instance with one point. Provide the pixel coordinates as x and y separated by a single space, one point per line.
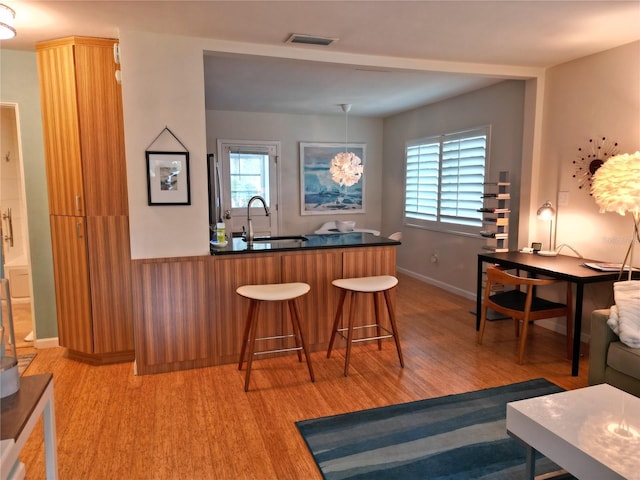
300 39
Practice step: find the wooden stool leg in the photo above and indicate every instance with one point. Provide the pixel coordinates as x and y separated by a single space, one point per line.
352 315
252 343
376 309
394 327
336 321
297 333
245 335
295 313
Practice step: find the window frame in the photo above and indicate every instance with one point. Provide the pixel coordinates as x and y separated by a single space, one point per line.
440 224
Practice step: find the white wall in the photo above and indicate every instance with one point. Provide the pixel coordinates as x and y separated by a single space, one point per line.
502 107
290 130
19 84
163 86
591 97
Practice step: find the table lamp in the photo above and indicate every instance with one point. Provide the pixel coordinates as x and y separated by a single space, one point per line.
547 212
616 188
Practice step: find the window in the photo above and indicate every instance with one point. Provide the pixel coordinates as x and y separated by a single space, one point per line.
444 180
249 176
245 168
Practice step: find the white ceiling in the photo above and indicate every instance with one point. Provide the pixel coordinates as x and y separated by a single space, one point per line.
485 35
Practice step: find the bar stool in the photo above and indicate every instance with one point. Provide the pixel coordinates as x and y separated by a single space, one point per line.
378 286
274 292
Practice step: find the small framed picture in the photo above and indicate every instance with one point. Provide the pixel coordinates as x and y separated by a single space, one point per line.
168 178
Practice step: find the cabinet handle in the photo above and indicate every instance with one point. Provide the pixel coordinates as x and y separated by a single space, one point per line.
78 206
79 230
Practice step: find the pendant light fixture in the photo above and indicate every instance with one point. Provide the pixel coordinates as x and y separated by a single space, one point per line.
346 167
7 21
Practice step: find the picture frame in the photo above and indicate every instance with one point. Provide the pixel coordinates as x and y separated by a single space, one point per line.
168 178
319 194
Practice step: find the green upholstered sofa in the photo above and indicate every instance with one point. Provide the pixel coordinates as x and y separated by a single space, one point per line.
610 360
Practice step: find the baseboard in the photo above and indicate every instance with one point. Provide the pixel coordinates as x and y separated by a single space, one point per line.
437 283
548 324
46 342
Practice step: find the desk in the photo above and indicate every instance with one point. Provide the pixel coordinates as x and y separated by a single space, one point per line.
20 413
561 267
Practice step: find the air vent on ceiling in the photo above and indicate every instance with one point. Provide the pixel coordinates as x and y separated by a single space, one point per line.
298 38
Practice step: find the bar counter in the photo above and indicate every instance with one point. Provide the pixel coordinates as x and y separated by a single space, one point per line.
187 313
312 242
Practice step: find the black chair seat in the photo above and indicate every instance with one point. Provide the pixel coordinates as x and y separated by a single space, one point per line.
515 300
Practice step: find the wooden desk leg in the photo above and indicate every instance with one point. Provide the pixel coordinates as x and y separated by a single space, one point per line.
478 293
577 330
50 442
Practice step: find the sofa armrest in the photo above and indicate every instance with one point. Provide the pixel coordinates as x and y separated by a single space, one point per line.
601 337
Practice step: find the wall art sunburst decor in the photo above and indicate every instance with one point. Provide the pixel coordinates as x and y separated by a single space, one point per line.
590 158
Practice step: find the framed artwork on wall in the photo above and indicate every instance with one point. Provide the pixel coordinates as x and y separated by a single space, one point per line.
319 193
168 178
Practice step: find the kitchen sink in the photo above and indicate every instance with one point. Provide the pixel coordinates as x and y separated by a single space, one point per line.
279 239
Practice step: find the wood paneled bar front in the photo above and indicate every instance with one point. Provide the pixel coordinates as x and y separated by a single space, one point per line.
187 313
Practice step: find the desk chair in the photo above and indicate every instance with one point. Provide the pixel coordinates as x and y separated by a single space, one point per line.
523 306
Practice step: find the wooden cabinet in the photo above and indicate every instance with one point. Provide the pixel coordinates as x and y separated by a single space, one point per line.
318 307
71 275
188 314
172 324
229 310
87 188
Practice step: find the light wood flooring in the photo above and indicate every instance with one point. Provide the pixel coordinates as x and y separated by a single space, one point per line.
200 424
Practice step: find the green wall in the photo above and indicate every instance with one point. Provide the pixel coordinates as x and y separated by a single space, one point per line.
19 84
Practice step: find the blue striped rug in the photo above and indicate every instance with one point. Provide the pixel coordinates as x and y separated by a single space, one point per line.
454 437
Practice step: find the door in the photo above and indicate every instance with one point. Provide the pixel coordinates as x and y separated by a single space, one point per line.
14 227
246 169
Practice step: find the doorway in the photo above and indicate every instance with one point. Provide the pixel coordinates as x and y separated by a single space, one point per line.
14 231
246 169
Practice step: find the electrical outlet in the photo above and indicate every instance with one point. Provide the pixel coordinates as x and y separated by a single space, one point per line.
563 199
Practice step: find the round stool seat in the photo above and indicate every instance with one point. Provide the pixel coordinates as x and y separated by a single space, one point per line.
273 291
367 284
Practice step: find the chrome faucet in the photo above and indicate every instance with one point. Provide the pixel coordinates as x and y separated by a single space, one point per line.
249 234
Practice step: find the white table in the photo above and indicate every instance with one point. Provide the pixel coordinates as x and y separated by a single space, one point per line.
20 414
593 432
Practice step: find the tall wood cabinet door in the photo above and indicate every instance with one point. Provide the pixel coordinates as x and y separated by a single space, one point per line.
318 307
73 302
101 126
110 276
60 128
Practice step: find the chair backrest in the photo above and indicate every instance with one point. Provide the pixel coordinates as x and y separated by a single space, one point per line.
396 236
497 275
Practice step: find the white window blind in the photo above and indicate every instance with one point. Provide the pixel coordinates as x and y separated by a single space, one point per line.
445 177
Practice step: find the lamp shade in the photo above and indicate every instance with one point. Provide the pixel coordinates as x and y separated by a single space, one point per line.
346 169
546 211
7 22
616 185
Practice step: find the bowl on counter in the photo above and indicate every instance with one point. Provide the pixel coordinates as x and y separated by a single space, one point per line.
345 225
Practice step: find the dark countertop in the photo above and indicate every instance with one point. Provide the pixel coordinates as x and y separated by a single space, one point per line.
313 242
